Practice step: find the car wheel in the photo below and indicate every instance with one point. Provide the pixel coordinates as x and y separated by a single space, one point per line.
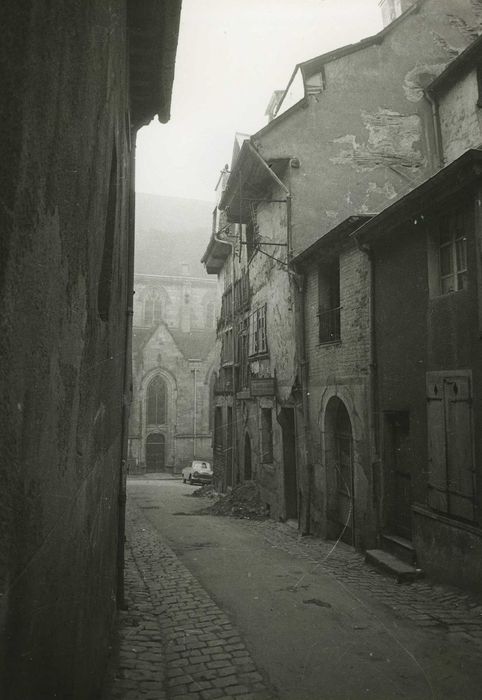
183 480
190 479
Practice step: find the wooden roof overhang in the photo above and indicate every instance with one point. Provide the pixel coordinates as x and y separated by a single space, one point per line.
153 29
215 256
249 182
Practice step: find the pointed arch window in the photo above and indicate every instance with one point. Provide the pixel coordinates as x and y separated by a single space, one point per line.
157 402
157 310
152 310
148 311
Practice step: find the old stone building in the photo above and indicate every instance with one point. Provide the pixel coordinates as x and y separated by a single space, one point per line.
426 253
337 346
78 80
354 131
173 355
427 309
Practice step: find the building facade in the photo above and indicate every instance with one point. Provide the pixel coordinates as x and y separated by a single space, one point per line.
426 253
78 80
353 132
337 349
173 356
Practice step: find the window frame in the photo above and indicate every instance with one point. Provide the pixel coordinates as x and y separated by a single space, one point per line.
451 243
329 301
257 333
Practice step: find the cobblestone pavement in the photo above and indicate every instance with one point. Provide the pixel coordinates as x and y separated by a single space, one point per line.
423 603
174 641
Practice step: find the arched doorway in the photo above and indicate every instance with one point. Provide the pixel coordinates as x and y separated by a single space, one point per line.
248 470
340 476
155 452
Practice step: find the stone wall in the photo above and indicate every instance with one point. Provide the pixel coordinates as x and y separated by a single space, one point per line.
66 167
341 369
460 120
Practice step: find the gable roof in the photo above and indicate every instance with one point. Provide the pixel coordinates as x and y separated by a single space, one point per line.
315 65
195 344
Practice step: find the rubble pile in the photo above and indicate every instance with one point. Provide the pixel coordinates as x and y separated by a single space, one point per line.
243 501
206 491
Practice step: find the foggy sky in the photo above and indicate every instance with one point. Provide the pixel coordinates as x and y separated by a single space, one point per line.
232 55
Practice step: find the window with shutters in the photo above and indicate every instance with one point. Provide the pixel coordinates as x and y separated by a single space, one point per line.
451 487
258 344
243 368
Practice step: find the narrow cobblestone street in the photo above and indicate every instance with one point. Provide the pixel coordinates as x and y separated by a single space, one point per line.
223 608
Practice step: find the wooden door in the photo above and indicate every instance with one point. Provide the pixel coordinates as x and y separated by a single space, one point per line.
155 452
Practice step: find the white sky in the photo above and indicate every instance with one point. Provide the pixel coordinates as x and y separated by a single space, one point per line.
232 55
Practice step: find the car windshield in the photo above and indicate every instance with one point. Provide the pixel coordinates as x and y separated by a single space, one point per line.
201 465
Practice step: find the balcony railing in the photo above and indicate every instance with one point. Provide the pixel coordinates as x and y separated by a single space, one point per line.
329 325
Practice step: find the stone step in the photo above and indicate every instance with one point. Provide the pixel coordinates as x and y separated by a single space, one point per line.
403 572
399 547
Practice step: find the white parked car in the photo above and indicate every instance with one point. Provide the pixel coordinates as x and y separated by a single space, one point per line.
198 471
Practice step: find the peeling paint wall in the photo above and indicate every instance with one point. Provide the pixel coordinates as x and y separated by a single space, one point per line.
460 117
368 139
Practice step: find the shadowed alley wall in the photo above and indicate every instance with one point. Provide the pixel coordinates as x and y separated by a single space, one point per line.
65 181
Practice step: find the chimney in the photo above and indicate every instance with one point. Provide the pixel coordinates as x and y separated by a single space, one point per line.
391 9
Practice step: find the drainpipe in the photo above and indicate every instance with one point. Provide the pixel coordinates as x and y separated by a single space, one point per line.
194 416
234 416
436 128
373 411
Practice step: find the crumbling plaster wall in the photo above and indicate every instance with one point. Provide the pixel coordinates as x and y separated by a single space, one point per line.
367 139
64 107
460 117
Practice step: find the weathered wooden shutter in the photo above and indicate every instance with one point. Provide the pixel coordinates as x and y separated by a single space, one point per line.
460 462
437 461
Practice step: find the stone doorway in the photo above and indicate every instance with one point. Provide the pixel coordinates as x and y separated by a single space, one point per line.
155 452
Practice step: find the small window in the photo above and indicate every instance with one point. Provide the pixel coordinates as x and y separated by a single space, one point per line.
329 309
227 350
266 436
258 344
453 254
242 359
